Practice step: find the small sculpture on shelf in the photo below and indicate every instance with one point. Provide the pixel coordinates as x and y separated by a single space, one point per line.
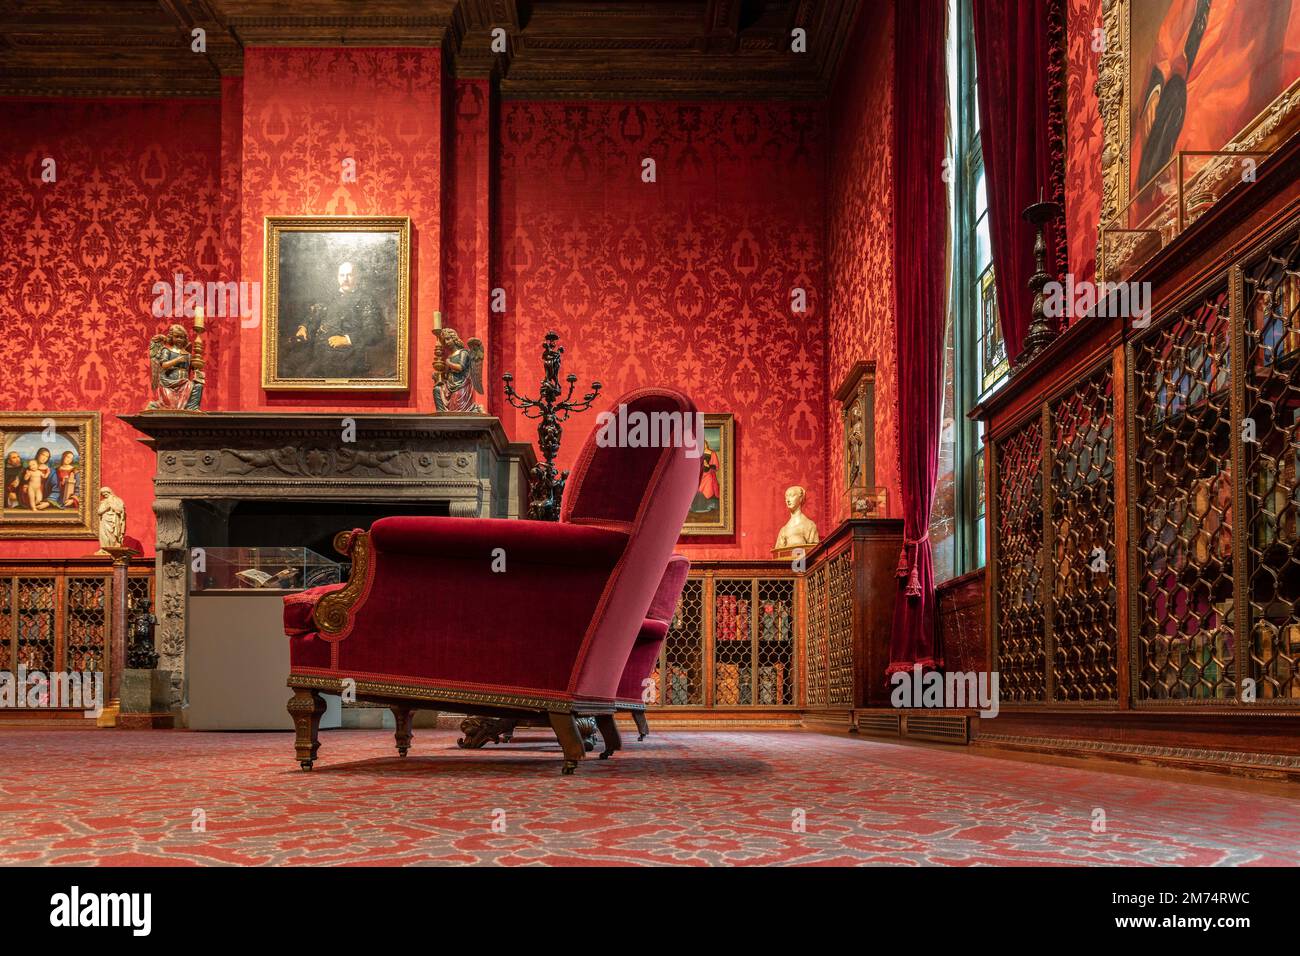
176 375
140 653
547 482
457 375
800 531
112 520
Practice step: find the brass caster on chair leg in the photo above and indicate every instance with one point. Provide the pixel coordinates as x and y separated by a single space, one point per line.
401 751
640 737
569 767
606 754
305 764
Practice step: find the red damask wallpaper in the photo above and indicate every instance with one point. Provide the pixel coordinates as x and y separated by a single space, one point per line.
859 245
1083 138
468 181
686 280
136 199
305 111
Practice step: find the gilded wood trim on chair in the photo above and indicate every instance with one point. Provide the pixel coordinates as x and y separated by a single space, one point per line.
333 612
451 695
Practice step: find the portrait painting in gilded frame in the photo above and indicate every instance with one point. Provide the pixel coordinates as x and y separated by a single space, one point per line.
1193 77
51 474
713 510
336 303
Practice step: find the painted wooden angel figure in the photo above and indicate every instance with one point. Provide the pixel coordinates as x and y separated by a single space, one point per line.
175 374
460 374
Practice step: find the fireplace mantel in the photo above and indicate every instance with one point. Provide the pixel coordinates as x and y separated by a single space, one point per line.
218 459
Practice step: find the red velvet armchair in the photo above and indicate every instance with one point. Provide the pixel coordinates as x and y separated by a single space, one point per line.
502 618
645 652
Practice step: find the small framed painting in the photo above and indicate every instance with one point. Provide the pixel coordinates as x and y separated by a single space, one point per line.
51 474
336 303
713 510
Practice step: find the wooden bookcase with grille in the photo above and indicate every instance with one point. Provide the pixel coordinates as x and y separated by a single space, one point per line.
1143 540
55 615
734 645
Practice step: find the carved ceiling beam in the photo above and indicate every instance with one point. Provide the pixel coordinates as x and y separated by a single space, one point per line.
338 22
223 49
558 48
469 44
721 26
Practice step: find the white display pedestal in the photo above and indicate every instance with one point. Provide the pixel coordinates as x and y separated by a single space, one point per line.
237 662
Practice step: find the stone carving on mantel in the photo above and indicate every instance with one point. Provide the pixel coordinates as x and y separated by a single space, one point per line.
388 462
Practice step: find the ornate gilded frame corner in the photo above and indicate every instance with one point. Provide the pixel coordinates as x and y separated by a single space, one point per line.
1113 105
726 522
84 522
334 612
1114 90
272 228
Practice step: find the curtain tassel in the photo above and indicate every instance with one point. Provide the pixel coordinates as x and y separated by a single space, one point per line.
908 565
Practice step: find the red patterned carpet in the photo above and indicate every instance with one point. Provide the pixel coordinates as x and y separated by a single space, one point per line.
87 797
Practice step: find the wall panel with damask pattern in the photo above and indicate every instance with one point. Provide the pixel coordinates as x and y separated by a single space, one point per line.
135 200
686 280
1083 138
859 251
305 111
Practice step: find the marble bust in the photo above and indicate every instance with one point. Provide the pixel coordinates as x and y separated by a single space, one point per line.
800 531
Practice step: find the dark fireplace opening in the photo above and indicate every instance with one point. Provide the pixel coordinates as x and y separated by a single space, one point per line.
292 524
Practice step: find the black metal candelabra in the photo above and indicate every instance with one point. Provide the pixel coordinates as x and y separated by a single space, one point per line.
1040 333
546 487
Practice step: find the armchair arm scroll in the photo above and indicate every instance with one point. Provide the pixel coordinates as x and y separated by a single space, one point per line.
333 612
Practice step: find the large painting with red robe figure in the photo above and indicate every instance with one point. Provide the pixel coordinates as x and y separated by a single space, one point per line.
713 510
51 474
1202 73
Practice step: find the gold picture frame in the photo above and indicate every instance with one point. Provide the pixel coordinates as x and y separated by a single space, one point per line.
1114 93
68 470
717 458
303 256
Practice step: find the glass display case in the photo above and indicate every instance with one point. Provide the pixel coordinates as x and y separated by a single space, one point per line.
262 569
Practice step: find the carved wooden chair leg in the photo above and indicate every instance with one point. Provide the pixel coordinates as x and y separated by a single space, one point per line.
306 707
609 731
643 728
404 717
566 730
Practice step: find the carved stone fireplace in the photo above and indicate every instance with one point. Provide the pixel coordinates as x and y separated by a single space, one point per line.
224 476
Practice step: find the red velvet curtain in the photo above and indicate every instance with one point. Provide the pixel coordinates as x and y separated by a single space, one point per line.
1018 85
920 301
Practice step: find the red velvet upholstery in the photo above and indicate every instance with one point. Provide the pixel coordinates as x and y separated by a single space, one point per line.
641 662
645 652
558 621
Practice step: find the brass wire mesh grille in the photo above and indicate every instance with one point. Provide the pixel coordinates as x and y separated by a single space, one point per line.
1084 632
817 636
1020 613
35 623
1271 308
680 681
733 651
839 637
1184 493
139 591
85 624
775 642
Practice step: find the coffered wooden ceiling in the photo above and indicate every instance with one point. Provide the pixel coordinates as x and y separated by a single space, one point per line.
555 48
